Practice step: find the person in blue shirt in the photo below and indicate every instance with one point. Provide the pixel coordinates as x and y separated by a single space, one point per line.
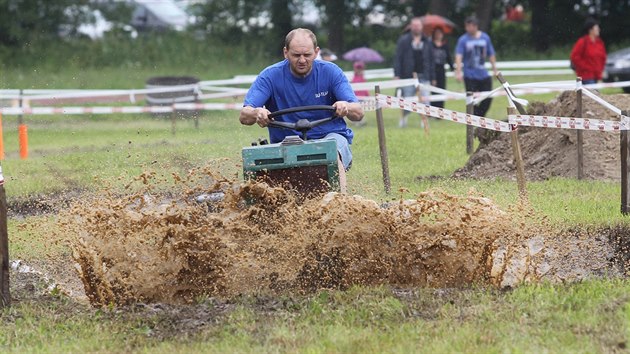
473 49
300 80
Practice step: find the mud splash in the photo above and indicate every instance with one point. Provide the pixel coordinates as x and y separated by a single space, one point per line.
150 246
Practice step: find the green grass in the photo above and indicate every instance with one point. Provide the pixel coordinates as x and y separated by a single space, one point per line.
587 317
72 151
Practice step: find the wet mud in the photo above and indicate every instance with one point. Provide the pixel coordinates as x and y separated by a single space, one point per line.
151 246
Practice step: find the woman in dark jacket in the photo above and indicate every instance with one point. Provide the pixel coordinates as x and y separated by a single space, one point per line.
588 56
441 57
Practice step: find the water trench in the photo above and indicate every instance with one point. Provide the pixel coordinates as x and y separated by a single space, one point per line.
149 246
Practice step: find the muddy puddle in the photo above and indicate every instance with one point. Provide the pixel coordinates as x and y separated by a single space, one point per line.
158 246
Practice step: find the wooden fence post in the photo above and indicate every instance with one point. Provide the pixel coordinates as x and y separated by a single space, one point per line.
382 144
470 109
580 137
518 159
173 121
5 295
624 167
516 147
196 112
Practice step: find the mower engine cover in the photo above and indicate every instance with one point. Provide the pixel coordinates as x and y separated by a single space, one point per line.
306 166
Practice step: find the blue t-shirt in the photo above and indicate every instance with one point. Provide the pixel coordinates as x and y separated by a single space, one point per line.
276 89
474 52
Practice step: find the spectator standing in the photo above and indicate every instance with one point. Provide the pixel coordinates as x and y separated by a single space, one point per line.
589 54
473 49
441 57
358 77
359 68
327 55
414 59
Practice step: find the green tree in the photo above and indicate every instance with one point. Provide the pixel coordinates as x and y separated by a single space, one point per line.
281 21
21 22
337 15
233 21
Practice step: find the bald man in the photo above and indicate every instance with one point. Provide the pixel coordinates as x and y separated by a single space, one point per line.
300 80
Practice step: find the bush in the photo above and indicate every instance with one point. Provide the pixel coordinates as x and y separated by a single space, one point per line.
511 39
117 50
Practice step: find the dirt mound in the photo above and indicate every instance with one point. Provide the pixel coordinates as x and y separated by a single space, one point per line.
551 152
144 248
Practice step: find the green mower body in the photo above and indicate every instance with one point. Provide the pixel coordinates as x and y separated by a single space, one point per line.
305 166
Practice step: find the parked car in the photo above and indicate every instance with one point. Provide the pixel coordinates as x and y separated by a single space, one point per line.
618 67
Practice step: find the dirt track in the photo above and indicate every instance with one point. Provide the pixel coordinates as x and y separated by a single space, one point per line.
136 248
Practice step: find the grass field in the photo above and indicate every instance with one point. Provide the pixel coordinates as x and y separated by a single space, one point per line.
87 152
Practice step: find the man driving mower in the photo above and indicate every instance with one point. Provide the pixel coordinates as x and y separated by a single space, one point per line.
300 80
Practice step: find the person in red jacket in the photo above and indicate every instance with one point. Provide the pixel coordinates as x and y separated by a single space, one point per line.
588 56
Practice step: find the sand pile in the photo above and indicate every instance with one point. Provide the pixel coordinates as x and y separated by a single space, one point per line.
550 152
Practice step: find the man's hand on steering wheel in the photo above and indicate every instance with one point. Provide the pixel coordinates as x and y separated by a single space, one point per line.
250 115
262 116
351 110
342 108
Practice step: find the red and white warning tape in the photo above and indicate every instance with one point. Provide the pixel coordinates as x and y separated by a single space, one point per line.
569 122
441 113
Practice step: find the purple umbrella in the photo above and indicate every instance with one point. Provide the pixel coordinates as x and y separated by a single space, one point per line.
364 54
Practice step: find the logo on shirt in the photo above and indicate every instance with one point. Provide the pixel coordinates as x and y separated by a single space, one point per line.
321 94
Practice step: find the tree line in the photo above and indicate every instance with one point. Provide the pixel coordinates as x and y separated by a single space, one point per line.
342 23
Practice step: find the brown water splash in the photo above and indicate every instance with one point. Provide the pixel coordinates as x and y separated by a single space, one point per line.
156 246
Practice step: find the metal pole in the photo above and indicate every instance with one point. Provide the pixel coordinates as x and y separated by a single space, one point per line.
382 144
580 138
624 168
5 295
470 109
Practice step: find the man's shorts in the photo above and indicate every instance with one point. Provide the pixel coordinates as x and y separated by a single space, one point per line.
343 148
410 91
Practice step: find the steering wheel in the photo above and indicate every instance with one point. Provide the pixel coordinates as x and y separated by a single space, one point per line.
302 125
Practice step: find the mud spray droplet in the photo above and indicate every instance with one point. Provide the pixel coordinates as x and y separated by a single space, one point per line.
160 244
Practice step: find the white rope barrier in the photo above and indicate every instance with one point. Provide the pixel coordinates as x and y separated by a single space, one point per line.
599 100
368 104
133 94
